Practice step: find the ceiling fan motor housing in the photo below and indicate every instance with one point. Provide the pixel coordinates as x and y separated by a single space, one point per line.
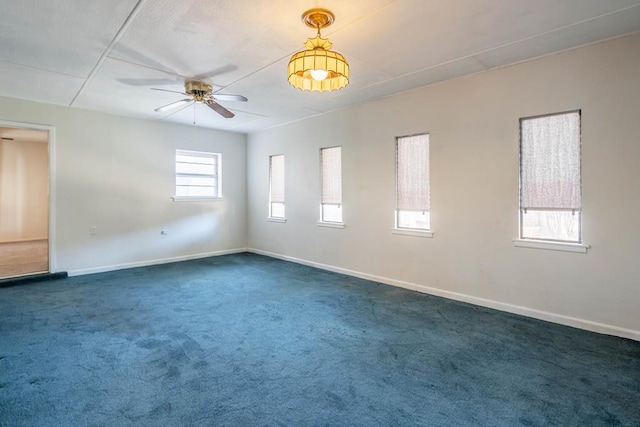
197 89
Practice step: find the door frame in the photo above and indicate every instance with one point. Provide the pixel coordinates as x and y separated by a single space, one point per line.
53 266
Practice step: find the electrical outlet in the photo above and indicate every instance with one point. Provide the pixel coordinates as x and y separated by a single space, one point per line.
92 230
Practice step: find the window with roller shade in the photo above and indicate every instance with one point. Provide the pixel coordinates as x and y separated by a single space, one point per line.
550 179
331 181
197 174
412 182
276 186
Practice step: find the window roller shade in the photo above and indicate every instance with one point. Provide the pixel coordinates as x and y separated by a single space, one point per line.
276 171
413 173
550 170
331 162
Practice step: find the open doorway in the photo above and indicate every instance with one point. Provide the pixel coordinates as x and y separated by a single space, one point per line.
24 201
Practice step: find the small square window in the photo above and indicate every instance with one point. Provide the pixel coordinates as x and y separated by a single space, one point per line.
197 174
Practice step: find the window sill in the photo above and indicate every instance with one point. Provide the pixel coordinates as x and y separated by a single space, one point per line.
551 246
330 224
195 199
273 219
415 233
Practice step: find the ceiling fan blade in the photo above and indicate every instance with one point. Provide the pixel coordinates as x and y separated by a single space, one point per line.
224 97
172 105
167 90
220 109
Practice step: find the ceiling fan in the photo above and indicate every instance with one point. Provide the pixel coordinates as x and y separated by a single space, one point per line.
201 92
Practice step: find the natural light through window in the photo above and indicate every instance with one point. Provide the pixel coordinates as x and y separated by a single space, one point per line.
412 182
276 186
550 182
331 179
197 174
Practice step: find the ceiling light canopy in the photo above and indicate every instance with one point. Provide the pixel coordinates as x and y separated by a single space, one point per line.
317 68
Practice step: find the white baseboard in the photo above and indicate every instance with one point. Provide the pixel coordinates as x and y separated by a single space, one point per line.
113 267
510 308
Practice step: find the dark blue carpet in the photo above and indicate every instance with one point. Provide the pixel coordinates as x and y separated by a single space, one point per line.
245 340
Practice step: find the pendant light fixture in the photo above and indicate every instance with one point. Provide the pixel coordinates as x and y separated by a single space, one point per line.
317 68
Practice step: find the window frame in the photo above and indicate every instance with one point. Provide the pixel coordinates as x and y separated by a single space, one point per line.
324 221
217 176
411 231
522 212
271 217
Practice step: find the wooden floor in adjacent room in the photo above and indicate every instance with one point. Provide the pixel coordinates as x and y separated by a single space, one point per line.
26 257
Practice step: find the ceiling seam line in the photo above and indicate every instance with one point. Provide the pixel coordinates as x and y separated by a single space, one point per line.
126 61
147 67
349 55
544 33
255 71
31 67
331 33
293 52
361 89
109 48
373 12
473 55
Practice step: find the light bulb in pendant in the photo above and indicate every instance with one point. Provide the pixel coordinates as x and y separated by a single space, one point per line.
319 74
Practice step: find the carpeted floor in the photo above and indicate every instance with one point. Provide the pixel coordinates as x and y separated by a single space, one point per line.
245 340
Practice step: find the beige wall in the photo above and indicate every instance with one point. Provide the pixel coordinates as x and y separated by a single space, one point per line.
474 132
24 180
118 174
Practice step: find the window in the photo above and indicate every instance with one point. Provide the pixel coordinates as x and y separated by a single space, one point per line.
331 181
412 182
198 174
550 189
276 186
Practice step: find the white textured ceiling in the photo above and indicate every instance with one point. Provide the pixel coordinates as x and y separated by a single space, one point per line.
106 55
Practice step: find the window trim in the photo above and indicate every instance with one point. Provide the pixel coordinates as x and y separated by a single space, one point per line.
323 222
521 212
409 231
552 245
276 219
270 217
331 224
195 199
414 232
541 243
217 176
